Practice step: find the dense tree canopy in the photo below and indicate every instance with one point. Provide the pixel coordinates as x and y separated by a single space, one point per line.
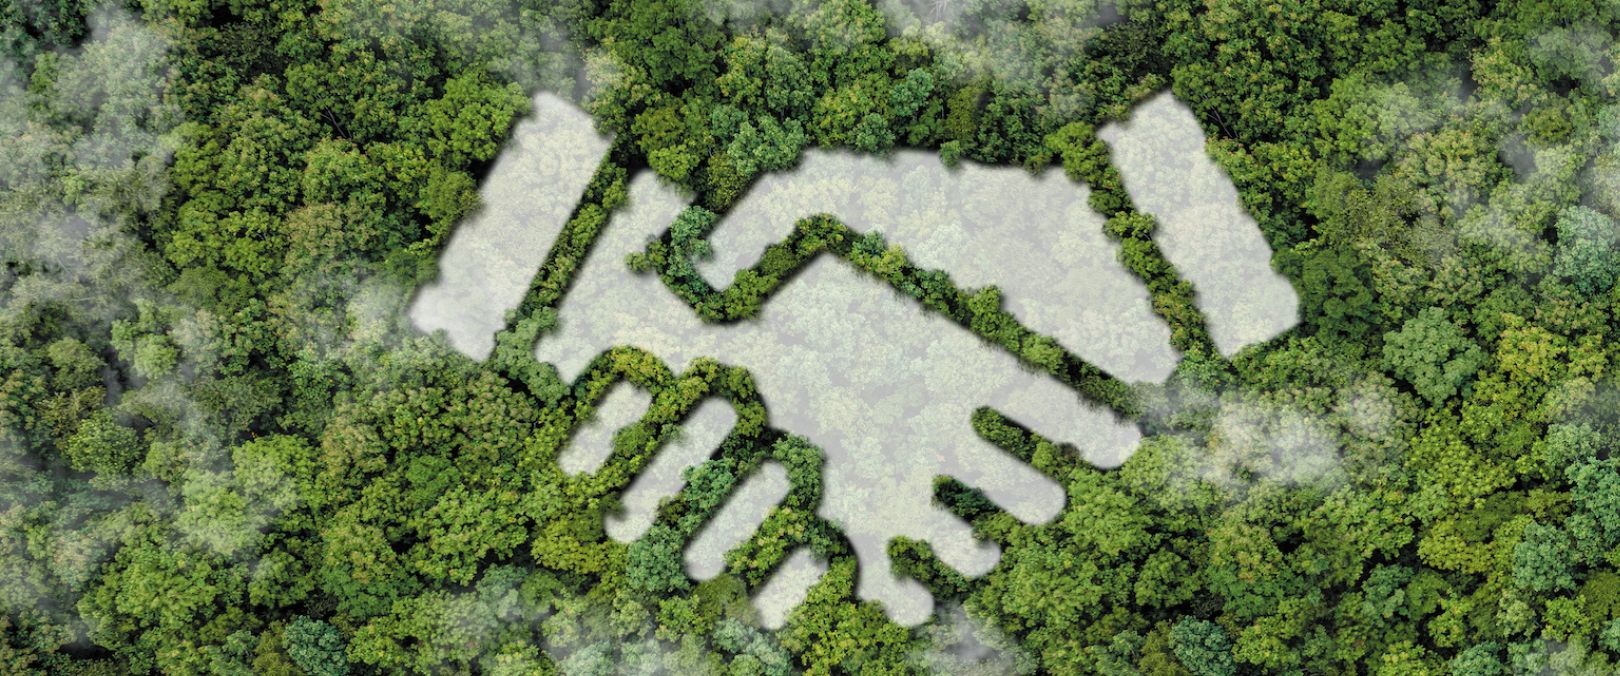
224 450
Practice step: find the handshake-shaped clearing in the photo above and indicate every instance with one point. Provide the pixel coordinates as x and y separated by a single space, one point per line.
886 388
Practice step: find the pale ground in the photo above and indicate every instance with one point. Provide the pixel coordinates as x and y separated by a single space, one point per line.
884 387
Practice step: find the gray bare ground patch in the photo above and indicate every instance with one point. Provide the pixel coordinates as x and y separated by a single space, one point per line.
487 266
1031 236
884 387
1203 229
787 587
593 443
749 504
662 478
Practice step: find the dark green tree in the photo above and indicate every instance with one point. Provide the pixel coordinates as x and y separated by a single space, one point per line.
1433 354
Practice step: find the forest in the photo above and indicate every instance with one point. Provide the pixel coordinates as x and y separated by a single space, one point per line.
224 449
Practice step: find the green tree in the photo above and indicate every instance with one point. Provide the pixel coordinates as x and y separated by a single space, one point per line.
315 646
1542 561
103 446
1587 253
1595 524
1203 647
1335 293
1433 354
1479 659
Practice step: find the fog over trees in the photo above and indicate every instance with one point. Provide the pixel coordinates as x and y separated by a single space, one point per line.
225 447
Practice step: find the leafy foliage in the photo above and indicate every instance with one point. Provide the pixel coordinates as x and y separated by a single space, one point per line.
223 451
1433 354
